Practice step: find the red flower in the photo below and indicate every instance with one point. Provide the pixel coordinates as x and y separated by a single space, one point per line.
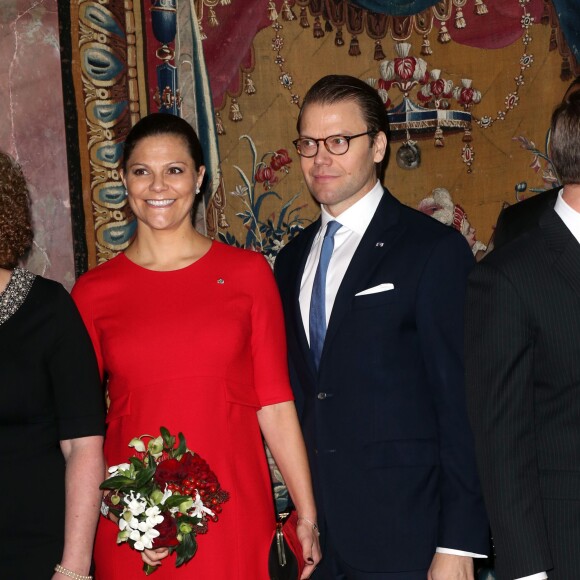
170 471
466 96
167 532
194 465
437 87
265 174
280 159
382 84
405 67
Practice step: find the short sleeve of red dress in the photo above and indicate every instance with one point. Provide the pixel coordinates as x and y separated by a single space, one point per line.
269 339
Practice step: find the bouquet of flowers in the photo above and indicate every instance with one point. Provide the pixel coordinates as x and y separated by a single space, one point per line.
163 497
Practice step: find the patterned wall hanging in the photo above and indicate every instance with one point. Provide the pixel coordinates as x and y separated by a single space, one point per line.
105 79
435 112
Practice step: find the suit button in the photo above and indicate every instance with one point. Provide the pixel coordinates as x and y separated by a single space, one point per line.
322 396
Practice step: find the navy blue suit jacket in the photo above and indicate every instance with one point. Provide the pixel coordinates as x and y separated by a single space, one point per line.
384 418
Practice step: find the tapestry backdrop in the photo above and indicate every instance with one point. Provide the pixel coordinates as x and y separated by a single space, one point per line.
470 133
469 86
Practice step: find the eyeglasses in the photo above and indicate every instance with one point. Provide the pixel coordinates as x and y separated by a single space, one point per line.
335 144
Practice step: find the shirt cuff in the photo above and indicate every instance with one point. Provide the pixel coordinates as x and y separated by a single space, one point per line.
467 554
538 576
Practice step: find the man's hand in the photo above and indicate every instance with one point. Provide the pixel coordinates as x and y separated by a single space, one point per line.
450 567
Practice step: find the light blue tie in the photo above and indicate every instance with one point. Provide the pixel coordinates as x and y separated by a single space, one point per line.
317 319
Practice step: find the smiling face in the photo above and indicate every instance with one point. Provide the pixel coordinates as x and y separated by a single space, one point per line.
339 181
161 181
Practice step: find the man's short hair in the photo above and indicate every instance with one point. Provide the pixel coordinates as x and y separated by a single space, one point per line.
333 89
565 140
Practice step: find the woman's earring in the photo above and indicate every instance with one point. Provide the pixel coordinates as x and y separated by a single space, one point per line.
197 190
125 193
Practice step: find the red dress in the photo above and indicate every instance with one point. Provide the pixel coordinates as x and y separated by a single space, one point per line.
197 350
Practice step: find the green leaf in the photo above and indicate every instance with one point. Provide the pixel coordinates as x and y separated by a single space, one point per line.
252 148
284 209
149 569
137 463
175 500
258 205
182 448
186 549
192 520
168 439
144 476
118 482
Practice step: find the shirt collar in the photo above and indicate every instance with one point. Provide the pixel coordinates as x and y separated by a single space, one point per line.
359 215
570 217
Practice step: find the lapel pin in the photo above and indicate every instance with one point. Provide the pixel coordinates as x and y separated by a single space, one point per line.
380 244
220 281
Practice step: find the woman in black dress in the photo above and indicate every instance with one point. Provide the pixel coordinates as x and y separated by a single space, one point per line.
51 412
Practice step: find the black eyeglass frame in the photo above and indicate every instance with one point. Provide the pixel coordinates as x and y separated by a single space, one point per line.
348 139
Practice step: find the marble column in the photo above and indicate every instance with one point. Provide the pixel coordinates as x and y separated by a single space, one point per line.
32 127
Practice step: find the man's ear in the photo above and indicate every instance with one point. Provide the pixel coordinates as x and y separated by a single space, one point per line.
380 146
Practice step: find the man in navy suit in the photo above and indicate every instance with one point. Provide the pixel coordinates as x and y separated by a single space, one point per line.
381 397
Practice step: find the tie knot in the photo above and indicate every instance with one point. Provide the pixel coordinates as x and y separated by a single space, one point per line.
331 228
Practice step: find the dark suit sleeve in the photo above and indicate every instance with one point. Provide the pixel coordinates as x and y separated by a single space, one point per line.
502 229
440 320
499 367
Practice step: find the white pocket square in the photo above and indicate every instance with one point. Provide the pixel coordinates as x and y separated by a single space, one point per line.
376 289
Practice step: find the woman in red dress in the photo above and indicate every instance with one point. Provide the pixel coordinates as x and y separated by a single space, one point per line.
189 333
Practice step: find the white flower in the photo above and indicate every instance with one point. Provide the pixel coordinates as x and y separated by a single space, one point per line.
135 503
278 245
166 495
271 258
146 539
198 510
154 516
121 467
128 521
240 191
143 536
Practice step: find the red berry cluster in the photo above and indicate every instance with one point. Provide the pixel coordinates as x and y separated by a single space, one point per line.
197 477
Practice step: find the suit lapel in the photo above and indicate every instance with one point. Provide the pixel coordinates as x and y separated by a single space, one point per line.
564 246
380 235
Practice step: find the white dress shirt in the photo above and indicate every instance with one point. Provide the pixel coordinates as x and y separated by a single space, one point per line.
571 219
355 221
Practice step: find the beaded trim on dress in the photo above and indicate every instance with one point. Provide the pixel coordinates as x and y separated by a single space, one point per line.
15 293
